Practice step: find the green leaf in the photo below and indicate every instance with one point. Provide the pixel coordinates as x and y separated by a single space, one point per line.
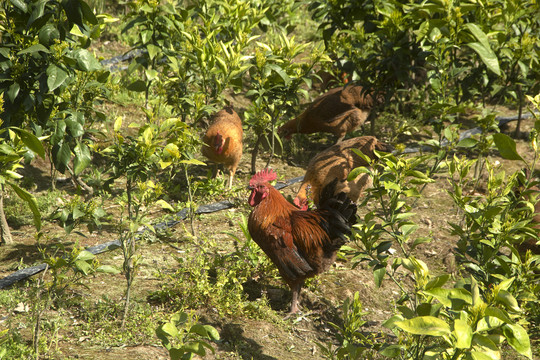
488 323
75 124
498 313
478 34
152 50
137 86
425 325
391 323
55 77
178 354
108 269
192 162
196 348
212 332
198 329
30 141
82 158
392 351
13 91
20 4
86 60
486 346
61 156
467 143
463 334
378 274
508 300
278 70
48 34
506 146
77 213
438 281
85 256
33 49
83 267
164 205
518 338
476 355
487 56
31 201
356 172
169 329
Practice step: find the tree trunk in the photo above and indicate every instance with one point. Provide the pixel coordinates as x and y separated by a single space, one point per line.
5 233
517 132
254 154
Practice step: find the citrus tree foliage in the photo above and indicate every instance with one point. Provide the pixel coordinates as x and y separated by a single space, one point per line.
15 143
50 78
475 315
199 47
277 73
456 50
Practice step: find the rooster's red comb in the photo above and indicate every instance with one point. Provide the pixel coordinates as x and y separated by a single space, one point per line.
265 175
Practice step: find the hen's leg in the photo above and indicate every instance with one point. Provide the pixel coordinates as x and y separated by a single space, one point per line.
231 176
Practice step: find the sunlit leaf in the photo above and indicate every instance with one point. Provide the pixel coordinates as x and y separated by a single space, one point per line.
506 146
487 56
463 334
425 325
31 202
518 338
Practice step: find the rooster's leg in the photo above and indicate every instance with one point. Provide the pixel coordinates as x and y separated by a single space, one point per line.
295 296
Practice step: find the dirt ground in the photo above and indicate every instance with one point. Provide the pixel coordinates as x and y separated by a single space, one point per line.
241 338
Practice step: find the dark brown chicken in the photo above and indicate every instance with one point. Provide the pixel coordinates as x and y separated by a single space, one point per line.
301 244
335 163
223 141
338 111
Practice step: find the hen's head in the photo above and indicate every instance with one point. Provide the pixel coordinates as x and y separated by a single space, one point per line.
218 143
302 204
259 185
301 199
285 131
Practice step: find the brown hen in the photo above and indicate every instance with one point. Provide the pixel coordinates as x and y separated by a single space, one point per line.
338 111
335 163
223 141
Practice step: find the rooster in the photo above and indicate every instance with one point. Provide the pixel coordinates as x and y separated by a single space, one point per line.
338 111
301 244
335 163
223 141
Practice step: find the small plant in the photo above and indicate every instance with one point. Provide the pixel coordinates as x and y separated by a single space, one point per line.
462 322
67 270
215 280
76 211
137 158
183 337
353 344
395 180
